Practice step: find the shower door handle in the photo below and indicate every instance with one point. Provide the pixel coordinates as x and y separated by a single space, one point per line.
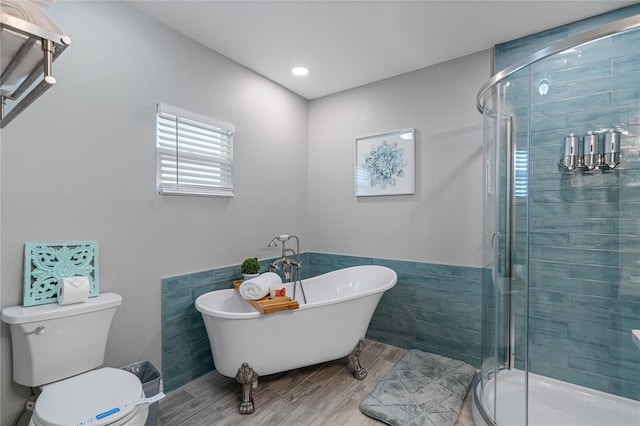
496 238
510 193
509 240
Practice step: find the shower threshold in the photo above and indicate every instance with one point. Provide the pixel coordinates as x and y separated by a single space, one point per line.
555 403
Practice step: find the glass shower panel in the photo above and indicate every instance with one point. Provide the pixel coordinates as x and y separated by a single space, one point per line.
584 224
490 360
561 236
516 94
500 246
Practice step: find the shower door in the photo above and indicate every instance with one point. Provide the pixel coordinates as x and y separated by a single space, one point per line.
504 230
561 231
583 224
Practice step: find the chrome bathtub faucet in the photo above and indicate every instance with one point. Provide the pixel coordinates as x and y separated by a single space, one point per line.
290 266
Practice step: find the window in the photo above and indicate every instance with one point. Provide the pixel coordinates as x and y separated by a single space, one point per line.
521 188
194 154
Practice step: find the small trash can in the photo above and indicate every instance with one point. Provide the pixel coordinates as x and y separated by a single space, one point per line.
150 378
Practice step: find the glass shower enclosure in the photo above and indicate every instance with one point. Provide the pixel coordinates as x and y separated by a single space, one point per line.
561 234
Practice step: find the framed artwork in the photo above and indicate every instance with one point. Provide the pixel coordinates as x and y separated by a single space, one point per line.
385 164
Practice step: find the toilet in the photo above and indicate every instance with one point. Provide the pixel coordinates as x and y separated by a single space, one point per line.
60 349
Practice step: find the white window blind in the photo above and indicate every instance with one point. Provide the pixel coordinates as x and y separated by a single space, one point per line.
194 154
521 188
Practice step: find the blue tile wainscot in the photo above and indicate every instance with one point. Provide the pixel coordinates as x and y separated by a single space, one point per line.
435 308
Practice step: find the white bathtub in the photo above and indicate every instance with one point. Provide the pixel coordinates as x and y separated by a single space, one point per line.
339 307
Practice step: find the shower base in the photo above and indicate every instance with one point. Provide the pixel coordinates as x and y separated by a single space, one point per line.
555 403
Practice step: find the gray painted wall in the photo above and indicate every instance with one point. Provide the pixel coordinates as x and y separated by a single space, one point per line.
79 164
442 222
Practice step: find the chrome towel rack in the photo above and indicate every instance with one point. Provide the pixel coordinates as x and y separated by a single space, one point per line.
26 36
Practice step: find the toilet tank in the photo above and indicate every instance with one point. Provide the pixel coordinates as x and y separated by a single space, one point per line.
53 342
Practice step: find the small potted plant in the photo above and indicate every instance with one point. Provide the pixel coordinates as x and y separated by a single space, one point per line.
250 268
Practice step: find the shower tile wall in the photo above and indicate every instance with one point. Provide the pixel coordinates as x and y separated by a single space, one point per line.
583 250
436 308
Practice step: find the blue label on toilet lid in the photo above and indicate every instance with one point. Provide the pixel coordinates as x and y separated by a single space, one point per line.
107 413
115 410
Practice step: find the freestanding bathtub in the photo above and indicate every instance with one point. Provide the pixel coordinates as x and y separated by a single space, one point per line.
329 326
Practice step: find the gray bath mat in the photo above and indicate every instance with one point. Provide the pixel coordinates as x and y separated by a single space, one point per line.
421 389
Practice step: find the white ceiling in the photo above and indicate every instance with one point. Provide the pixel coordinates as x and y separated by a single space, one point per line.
347 44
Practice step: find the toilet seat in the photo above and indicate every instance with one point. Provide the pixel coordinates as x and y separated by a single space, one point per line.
106 391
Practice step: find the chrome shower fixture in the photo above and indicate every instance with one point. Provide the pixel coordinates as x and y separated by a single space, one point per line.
282 238
543 86
570 159
591 152
289 263
612 149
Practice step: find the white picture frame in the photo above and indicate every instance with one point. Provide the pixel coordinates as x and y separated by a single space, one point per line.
385 164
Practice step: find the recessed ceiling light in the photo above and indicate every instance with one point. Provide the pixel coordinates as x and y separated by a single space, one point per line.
300 71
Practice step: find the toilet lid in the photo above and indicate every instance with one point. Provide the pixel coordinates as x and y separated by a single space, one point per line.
104 395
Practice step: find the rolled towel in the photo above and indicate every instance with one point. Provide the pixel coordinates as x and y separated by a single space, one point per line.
34 12
258 287
12 42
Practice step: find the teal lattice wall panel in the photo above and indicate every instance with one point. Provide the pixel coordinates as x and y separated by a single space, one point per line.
46 263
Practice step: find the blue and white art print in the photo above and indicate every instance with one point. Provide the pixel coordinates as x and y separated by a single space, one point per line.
385 164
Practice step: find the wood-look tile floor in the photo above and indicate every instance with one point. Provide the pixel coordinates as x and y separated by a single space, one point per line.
323 394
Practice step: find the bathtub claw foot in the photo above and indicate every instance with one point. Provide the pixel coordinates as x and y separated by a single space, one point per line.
246 377
246 407
358 372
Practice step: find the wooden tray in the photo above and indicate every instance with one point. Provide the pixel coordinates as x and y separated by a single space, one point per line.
266 305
